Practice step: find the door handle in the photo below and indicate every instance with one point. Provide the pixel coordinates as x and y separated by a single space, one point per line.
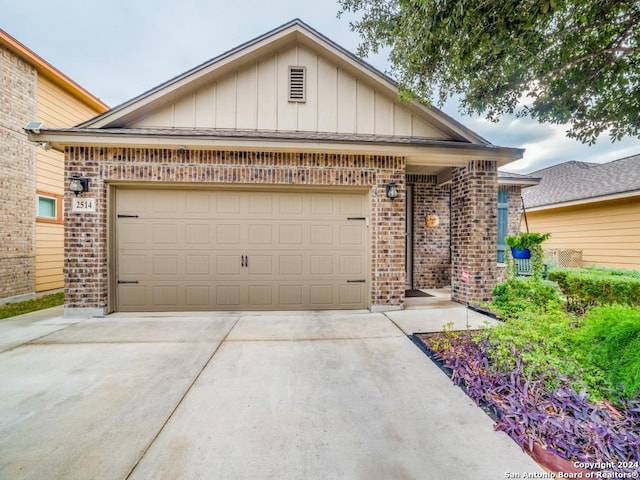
242 261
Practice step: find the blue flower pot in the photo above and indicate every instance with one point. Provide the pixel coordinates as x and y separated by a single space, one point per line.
518 253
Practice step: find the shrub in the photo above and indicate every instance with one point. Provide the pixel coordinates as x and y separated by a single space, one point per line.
609 338
584 288
518 295
547 349
561 419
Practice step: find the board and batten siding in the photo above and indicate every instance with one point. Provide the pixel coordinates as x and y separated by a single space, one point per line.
57 108
606 232
256 98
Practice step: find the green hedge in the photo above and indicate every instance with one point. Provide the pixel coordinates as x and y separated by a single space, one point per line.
587 287
609 339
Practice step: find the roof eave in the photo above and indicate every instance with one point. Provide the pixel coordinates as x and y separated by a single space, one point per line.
433 152
585 201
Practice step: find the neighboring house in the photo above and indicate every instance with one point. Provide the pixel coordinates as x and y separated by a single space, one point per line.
589 207
283 174
31 178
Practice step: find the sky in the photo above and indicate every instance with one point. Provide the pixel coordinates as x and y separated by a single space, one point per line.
118 49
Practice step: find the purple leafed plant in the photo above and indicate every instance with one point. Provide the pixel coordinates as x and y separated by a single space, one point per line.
562 420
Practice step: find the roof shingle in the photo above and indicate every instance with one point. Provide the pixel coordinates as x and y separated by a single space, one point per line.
571 181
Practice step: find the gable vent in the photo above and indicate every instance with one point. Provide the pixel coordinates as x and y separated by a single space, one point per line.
297 84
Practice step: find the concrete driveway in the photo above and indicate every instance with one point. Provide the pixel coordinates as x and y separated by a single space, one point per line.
234 396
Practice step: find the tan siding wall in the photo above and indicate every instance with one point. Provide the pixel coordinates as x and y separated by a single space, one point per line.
606 232
56 109
256 97
49 256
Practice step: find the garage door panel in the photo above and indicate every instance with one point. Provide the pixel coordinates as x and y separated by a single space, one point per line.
260 296
167 201
352 265
132 297
323 205
132 234
260 203
164 233
227 203
228 296
291 234
260 234
321 296
321 265
199 202
165 296
291 205
260 264
322 235
133 265
352 294
165 265
291 295
228 264
188 250
197 265
351 234
197 234
228 234
351 205
197 295
290 265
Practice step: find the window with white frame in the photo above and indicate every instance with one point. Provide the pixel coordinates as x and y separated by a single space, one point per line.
47 207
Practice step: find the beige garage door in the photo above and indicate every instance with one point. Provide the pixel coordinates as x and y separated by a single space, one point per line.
182 250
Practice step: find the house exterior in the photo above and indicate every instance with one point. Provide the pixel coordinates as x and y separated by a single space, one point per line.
31 178
283 174
590 207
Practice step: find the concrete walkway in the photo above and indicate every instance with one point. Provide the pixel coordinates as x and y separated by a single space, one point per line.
341 395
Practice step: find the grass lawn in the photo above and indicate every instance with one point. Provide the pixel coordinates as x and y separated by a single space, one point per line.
18 308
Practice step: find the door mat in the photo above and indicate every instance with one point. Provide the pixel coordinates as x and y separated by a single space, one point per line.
416 293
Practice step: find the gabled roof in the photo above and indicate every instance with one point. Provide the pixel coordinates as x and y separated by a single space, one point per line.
295 30
50 72
581 182
141 121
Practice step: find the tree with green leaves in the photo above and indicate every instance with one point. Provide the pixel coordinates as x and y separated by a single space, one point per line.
573 62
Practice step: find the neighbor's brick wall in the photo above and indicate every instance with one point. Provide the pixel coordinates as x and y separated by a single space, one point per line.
474 230
431 245
18 82
86 249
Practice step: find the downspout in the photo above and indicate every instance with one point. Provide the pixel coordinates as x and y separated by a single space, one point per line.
524 211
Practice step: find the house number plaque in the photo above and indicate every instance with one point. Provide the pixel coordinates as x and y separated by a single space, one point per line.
81 204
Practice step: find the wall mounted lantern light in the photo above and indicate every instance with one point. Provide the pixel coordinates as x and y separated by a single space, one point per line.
78 184
392 190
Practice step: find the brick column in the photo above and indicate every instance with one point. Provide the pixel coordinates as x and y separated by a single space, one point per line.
474 231
85 238
388 249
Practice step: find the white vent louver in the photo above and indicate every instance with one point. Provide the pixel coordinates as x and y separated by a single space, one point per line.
297 84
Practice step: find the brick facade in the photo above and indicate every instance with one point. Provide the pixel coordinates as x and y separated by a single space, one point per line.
474 231
431 245
86 242
18 82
